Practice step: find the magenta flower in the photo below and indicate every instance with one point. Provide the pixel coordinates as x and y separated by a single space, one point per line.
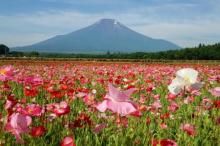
18 124
215 91
6 73
33 80
118 101
33 110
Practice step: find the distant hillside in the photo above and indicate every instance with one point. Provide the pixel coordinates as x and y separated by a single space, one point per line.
202 52
105 35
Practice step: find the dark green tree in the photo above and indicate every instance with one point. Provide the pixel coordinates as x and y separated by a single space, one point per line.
4 50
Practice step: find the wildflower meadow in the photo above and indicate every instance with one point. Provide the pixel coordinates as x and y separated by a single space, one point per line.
109 104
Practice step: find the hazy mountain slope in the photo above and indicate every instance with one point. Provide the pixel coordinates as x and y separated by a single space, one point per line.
105 35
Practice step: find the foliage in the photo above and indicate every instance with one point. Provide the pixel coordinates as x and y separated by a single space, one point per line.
202 52
4 49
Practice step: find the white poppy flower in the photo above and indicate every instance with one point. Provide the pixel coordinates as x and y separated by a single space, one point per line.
185 78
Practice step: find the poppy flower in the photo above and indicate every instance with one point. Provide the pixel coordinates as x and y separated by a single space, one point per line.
118 101
173 106
56 94
164 142
188 128
61 108
216 103
18 124
33 80
185 78
165 116
30 92
37 131
156 105
68 141
33 110
163 126
81 121
215 91
6 73
171 96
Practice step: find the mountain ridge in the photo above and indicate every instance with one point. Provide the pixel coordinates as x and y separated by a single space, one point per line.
100 37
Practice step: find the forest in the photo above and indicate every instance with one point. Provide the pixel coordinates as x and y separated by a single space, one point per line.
200 52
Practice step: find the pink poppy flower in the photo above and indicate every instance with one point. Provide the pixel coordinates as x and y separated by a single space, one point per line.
6 73
215 91
188 128
18 124
61 108
68 141
173 106
33 80
163 126
33 110
118 101
156 97
156 104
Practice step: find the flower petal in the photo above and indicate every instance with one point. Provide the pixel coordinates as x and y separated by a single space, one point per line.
102 106
197 85
123 108
174 89
188 73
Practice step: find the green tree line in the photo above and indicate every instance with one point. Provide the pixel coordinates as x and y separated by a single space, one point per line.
201 52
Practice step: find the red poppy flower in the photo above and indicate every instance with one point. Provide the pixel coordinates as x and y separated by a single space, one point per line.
30 92
164 142
165 116
56 94
217 103
37 131
81 121
61 108
171 96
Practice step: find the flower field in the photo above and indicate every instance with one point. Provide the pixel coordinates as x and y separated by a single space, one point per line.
109 104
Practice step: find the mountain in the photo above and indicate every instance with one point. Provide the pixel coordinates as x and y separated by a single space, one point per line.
104 35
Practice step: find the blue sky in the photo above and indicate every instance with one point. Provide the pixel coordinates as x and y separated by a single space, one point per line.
184 22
